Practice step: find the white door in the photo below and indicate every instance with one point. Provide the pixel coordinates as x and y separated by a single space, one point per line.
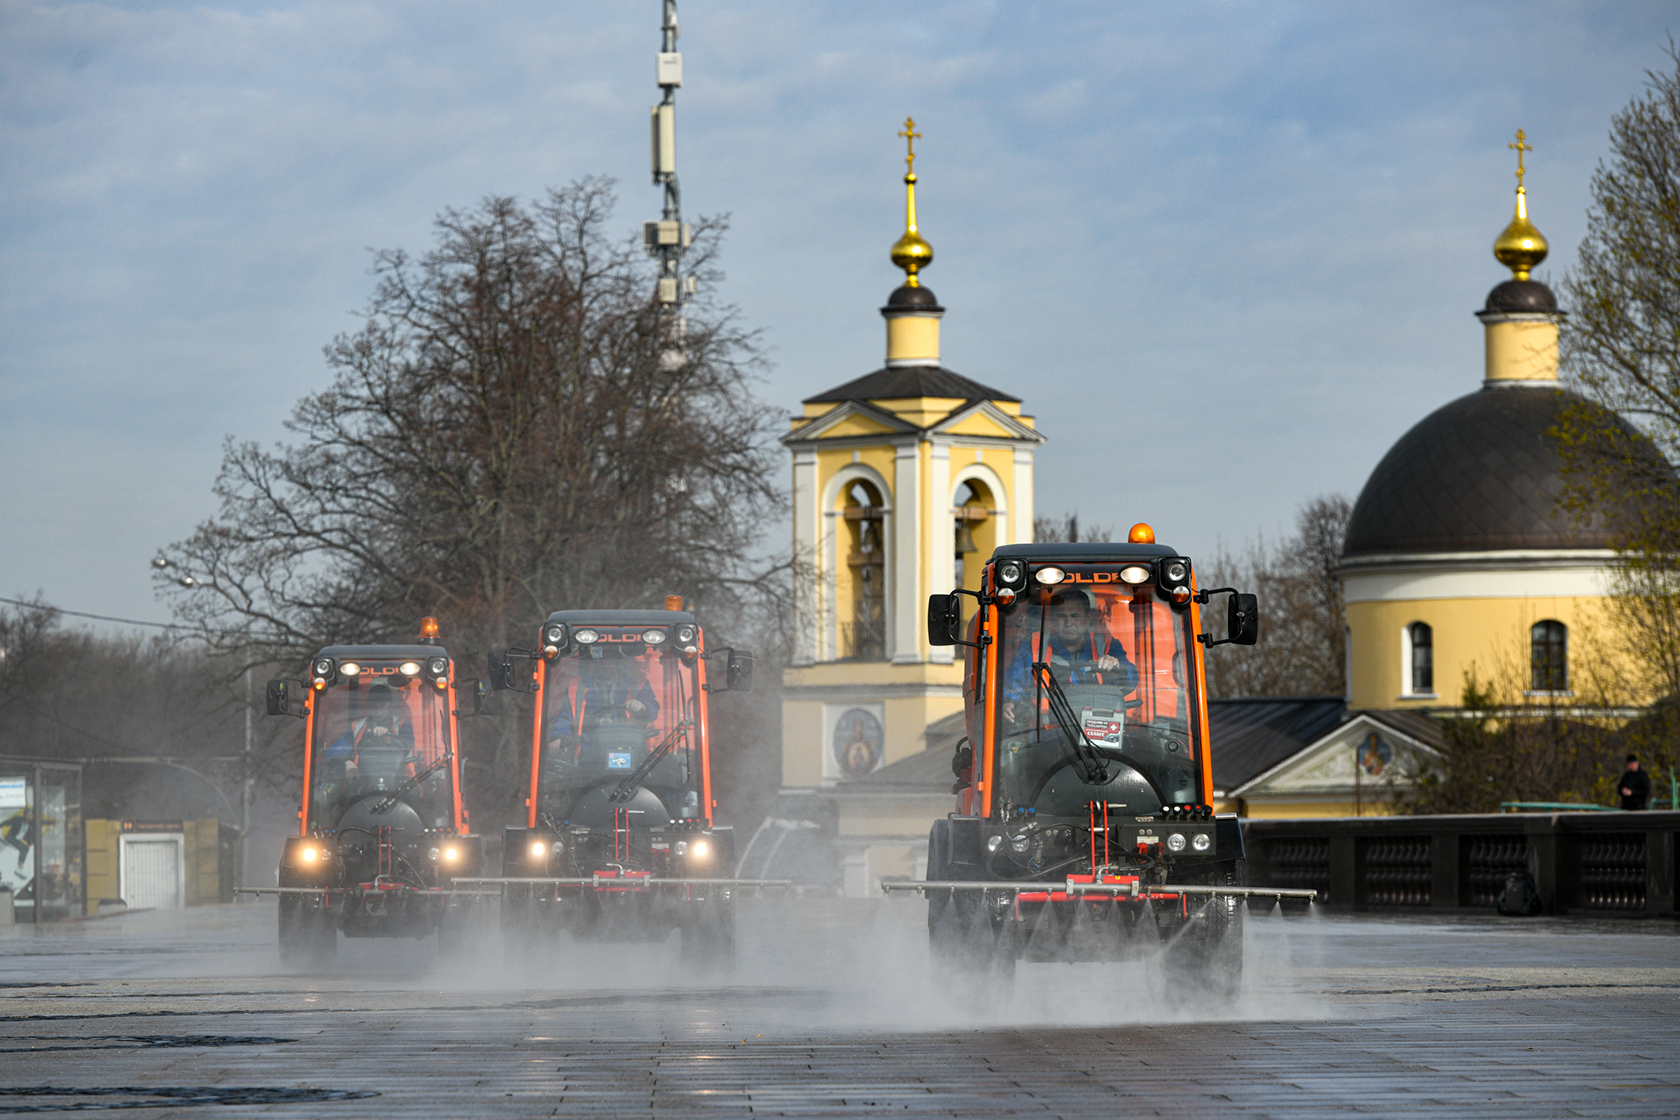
153 871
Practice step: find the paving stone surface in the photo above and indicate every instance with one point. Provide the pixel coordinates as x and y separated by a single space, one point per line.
830 1012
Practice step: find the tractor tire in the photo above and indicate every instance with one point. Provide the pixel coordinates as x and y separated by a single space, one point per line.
708 937
1203 960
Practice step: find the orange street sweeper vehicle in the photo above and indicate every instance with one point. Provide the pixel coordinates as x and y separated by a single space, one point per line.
382 830
619 841
1084 827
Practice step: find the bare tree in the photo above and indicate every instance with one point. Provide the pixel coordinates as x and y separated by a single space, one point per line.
517 427
1303 645
1055 530
1622 354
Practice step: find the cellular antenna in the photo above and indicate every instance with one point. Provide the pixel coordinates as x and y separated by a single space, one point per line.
668 238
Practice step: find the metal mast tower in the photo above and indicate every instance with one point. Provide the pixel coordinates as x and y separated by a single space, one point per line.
668 238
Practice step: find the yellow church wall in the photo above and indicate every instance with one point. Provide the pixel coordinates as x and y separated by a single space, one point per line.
978 424
913 338
923 412
856 425
904 721
1522 349
1491 635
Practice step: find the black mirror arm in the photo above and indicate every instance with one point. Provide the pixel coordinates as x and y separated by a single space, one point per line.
979 601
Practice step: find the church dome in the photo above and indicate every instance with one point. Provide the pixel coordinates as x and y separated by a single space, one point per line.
1479 474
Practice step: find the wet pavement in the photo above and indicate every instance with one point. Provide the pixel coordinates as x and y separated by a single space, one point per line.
830 1012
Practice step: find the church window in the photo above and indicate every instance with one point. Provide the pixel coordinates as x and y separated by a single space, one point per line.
1420 653
863 618
971 512
1549 656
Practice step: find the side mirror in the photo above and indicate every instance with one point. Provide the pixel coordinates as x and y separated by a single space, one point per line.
944 620
278 699
1243 627
483 700
501 670
739 673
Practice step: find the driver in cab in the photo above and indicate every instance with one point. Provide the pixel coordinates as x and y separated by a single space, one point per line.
611 688
1080 651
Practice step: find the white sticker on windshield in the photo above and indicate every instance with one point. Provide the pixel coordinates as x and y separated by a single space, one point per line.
618 760
1103 726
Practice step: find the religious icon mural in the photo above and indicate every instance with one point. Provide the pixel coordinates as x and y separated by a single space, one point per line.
1375 755
858 742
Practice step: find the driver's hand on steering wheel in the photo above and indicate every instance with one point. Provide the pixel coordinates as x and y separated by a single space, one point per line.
1108 661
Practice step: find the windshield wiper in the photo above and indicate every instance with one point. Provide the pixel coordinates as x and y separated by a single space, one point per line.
627 788
1093 767
414 779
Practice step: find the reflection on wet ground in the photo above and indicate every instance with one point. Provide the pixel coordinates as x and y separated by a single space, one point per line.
831 1011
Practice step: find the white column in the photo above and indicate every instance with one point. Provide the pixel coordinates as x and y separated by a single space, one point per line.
942 572
907 593
807 526
1021 497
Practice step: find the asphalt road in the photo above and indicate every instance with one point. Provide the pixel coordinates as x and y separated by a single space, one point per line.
830 1013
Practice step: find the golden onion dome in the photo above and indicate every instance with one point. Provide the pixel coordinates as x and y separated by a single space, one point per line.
1521 246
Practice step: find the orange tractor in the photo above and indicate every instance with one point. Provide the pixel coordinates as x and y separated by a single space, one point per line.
619 840
1084 827
382 830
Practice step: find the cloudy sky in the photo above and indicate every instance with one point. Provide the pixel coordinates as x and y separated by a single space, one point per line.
1227 252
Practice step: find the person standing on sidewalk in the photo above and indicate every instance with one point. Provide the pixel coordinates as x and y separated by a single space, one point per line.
1635 785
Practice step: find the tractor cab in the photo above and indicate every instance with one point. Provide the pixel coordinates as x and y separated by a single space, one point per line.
1085 787
619 838
382 827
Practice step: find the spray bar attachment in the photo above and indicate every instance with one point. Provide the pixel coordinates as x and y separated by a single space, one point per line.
613 881
1072 887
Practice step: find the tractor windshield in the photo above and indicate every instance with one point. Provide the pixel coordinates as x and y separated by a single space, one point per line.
1118 657
380 733
606 707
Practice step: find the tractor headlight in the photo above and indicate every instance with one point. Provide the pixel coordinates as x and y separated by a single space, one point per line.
452 853
1050 576
309 855
682 847
653 637
350 669
1135 574
700 849
557 847
1010 573
409 668
686 634
1201 841
438 667
1019 844
554 634
538 849
587 637
993 843
324 667
1176 842
433 855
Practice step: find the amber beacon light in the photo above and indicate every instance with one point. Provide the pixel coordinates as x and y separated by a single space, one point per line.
1141 534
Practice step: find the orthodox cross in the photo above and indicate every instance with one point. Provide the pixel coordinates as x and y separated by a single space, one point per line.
1520 149
910 137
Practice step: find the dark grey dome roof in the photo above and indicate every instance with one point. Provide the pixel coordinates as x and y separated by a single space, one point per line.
906 298
1478 474
1521 295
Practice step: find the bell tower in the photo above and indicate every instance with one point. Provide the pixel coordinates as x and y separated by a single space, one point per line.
904 480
